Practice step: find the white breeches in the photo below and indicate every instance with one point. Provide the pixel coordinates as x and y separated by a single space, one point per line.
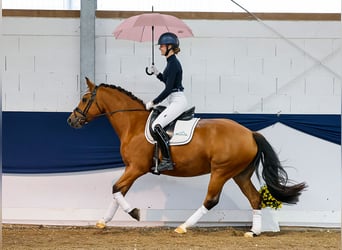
177 104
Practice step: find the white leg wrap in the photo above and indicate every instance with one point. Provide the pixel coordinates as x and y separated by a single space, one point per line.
122 202
111 210
193 219
256 224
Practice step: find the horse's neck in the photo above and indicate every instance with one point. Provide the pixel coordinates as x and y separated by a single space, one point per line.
128 123
126 116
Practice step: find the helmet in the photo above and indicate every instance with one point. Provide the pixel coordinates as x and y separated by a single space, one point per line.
168 38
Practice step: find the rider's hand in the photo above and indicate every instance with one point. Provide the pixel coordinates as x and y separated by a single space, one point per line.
149 105
153 69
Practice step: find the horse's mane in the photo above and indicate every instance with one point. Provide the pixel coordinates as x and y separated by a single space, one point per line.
122 90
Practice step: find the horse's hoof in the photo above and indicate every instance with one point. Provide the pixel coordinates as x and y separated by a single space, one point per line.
135 213
180 229
100 224
250 234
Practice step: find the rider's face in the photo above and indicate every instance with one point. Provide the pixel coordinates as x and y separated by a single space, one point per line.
163 49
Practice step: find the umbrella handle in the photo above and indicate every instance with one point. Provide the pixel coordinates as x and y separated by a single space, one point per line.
146 70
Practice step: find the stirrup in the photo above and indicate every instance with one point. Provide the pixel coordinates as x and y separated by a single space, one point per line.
165 164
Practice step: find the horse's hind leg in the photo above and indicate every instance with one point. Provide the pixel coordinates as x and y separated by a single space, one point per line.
213 195
243 180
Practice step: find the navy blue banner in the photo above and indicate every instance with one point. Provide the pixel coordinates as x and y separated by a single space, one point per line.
43 142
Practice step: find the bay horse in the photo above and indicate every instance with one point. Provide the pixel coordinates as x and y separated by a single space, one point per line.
220 147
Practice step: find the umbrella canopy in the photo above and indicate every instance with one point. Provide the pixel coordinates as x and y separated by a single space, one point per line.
149 26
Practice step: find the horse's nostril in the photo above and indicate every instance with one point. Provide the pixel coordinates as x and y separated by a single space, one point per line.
69 121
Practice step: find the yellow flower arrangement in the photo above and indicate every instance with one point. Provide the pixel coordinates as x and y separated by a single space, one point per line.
267 200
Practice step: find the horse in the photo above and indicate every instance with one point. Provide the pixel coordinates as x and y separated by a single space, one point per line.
220 147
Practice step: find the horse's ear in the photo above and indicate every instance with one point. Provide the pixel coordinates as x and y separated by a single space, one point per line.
90 84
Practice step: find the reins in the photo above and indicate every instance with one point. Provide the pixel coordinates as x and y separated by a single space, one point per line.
118 111
84 113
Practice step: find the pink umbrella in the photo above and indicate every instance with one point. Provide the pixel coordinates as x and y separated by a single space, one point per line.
149 26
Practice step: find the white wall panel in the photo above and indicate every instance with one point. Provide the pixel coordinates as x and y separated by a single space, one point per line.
319 48
12 45
305 29
119 47
315 104
223 104
220 50
233 85
248 66
20 100
41 26
57 63
290 47
109 64
291 86
261 47
279 103
105 27
232 46
12 80
198 84
277 66
334 60
248 103
337 87
262 85
220 65
50 45
18 63
319 85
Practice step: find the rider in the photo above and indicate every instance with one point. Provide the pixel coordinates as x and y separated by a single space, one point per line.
173 93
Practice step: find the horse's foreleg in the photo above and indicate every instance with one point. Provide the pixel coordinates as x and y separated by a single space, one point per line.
120 188
111 210
193 219
211 200
120 199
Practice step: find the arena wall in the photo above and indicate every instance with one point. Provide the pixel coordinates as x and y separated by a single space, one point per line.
230 66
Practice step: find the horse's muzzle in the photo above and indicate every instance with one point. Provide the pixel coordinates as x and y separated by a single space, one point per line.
76 122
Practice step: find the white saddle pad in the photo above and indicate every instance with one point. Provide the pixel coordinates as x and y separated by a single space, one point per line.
182 133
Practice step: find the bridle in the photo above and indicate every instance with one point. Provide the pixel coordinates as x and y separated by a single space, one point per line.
82 115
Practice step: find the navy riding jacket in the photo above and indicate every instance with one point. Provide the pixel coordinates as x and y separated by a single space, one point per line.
171 77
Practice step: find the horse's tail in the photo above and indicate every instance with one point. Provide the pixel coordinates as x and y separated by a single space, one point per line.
274 174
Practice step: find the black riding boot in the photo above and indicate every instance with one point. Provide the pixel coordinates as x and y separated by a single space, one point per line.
163 142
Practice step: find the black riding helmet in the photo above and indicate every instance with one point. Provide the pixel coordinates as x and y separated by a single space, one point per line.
169 38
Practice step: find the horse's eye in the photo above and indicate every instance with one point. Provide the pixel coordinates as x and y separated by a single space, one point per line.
84 99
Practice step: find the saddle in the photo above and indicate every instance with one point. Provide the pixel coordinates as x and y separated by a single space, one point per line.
169 129
179 131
